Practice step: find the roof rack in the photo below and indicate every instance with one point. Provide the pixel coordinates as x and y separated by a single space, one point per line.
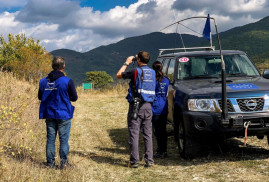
188 48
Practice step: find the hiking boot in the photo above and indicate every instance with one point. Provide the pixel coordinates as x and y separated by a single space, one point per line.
148 165
133 165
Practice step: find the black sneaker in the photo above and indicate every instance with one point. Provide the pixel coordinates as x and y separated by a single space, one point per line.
148 165
164 155
157 155
133 165
160 155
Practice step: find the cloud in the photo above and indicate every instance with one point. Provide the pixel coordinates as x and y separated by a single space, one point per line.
68 15
9 25
61 12
64 24
12 3
148 7
233 8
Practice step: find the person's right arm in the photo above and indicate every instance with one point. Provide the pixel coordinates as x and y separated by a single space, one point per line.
123 68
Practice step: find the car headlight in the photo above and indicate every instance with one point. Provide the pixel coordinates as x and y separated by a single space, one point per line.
202 105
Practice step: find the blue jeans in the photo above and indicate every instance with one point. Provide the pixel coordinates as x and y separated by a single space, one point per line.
63 128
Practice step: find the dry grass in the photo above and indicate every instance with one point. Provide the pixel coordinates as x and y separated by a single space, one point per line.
99 147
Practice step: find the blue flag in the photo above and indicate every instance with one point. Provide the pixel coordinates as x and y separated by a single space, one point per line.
207 29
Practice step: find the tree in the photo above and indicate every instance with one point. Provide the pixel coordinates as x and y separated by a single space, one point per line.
99 78
24 57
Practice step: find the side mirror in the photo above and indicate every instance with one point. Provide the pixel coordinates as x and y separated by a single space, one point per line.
265 74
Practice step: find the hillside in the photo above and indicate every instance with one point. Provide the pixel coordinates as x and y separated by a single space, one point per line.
252 38
109 58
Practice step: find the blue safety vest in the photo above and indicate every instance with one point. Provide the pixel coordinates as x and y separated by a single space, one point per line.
144 79
160 104
55 103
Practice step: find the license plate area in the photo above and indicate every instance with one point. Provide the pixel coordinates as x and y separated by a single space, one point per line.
238 121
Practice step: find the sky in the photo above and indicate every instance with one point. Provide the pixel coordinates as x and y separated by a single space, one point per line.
82 25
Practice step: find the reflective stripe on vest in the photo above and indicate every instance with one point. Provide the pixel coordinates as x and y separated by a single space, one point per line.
146 91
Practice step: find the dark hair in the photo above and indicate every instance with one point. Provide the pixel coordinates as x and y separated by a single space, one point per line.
157 66
143 56
58 63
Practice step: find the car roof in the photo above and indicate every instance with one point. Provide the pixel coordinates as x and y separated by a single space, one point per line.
202 53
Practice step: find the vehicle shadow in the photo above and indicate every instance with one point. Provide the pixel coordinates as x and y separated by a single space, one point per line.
228 150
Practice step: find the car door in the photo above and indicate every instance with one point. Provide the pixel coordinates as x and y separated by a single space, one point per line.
170 75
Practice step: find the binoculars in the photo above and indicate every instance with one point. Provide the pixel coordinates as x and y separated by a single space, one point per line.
134 59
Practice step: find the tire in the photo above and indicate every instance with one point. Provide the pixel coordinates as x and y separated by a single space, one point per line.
188 148
182 140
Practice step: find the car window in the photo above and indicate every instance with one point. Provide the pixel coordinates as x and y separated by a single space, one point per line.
170 71
165 65
210 66
244 65
198 66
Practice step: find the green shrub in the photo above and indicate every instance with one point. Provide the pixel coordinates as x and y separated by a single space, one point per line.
99 78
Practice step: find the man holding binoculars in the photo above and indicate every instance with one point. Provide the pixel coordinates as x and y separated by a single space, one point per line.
141 94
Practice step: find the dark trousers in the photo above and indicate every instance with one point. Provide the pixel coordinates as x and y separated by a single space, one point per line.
159 129
143 123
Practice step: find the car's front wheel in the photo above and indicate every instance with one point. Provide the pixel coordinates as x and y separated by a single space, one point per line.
181 140
188 148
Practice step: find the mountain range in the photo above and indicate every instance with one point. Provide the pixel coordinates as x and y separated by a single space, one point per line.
252 38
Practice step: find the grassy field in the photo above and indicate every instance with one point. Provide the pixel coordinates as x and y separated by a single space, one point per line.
99 146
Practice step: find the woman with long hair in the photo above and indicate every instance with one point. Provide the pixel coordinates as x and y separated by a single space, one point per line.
160 110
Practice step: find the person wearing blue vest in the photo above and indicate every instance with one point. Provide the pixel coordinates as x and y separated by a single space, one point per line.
160 110
141 94
55 92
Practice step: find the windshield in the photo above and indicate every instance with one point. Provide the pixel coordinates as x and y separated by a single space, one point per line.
210 66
